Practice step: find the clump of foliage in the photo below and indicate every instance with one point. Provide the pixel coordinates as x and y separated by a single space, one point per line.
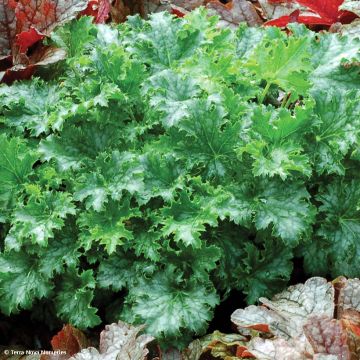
316 320
169 162
23 23
318 12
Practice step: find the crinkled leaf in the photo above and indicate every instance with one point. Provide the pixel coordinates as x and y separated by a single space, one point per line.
172 94
163 42
108 227
162 177
326 336
207 140
74 36
286 208
331 53
114 174
349 292
236 12
16 162
31 106
62 251
38 218
266 271
341 224
287 313
115 272
277 349
178 306
338 130
186 220
118 341
73 301
284 63
21 282
276 148
81 143
247 38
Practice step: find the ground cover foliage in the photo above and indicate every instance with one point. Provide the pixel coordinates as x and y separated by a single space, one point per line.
317 320
26 24
168 161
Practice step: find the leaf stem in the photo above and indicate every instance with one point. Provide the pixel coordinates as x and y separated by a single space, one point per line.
266 90
284 100
288 101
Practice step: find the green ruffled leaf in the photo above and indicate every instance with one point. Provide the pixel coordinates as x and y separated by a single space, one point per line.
276 147
73 302
340 224
108 227
171 94
76 145
265 271
21 281
16 162
113 175
31 105
164 41
37 220
338 130
206 139
285 63
286 209
178 308
116 272
163 176
335 60
75 36
186 220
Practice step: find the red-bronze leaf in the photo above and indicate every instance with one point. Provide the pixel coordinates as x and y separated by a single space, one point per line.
45 15
326 12
99 9
70 340
327 336
7 27
28 38
232 14
23 23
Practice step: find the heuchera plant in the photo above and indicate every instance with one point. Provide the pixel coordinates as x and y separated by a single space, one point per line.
316 320
320 12
170 162
24 23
